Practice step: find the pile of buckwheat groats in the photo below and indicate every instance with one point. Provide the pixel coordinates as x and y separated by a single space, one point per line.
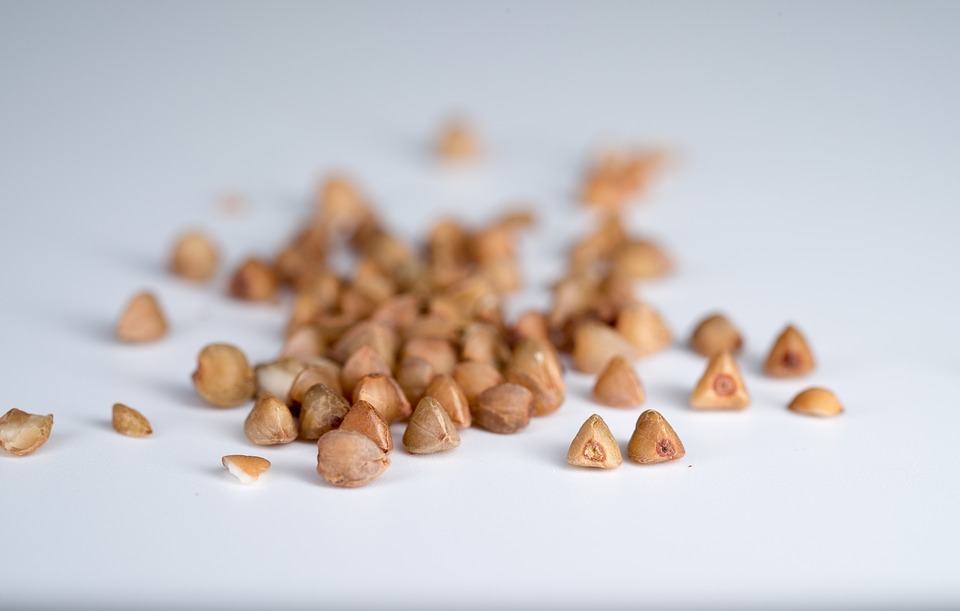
419 336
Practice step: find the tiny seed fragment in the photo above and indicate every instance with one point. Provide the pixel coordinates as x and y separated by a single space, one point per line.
430 429
618 385
790 355
365 419
716 334
223 376
349 459
194 256
270 422
654 440
142 320
130 422
594 446
505 408
816 401
247 469
322 410
721 386
22 433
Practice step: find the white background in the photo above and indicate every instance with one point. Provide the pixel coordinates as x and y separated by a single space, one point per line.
815 182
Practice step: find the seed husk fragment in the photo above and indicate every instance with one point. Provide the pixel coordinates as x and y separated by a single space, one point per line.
816 401
721 386
247 469
645 328
714 334
535 365
142 320
430 429
194 256
594 344
322 410
790 355
22 433
594 446
349 459
254 280
223 376
361 363
474 377
654 440
505 408
277 378
270 422
130 422
452 399
618 385
365 419
382 391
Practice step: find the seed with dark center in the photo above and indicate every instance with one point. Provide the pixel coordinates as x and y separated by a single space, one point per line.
790 359
665 448
594 451
724 385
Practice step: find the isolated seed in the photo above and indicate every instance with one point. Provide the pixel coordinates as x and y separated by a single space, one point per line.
270 422
790 355
457 142
223 376
618 385
319 371
716 334
594 446
130 422
322 410
721 386
276 378
535 365
349 459
654 440
430 429
142 320
645 328
382 391
365 419
254 280
816 401
363 362
452 399
247 469
437 352
413 376
474 377
505 408
594 344
22 433
194 256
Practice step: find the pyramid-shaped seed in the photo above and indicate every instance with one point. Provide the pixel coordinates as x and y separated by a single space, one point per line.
128 421
247 469
790 355
816 402
654 440
414 376
594 344
322 410
270 422
721 386
349 459
644 328
430 429
715 334
361 363
474 377
452 399
505 408
594 446
618 385
382 391
535 365
142 320
363 418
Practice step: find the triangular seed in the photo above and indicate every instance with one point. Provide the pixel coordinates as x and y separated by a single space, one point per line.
790 355
430 429
594 343
594 446
452 399
654 440
645 329
618 385
364 418
142 320
721 386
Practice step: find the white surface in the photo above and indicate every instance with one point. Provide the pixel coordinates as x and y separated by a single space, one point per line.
816 184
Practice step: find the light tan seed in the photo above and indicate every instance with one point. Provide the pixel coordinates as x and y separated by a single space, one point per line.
641 259
322 410
361 363
142 320
452 398
270 422
474 377
531 325
594 446
318 372
276 378
535 365
413 376
380 337
483 342
645 328
247 469
304 343
790 355
22 433
716 334
365 419
594 344
130 422
194 256
505 408
654 440
721 386
618 385
430 429
383 392
223 376
457 142
254 280
816 401
349 459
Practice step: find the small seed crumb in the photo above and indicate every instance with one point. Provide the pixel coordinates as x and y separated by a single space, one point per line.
457 142
349 459
130 422
247 469
142 320
22 433
594 446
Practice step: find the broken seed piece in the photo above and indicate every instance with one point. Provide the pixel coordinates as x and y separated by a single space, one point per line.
790 355
716 334
816 401
654 440
721 386
270 422
247 469
349 459
430 429
618 385
365 419
130 422
223 376
22 433
142 320
594 446
505 408
322 410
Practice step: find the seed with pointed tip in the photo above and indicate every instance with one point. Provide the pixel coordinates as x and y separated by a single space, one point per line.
535 365
721 386
654 440
816 401
318 372
270 422
194 256
715 334
641 259
505 408
247 469
22 433
382 391
276 378
254 280
430 429
531 325
594 446
304 343
380 337
645 328
594 344
322 410
361 363
414 376
452 399
437 352
349 459
142 320
365 419
223 376
790 355
474 377
130 422
618 385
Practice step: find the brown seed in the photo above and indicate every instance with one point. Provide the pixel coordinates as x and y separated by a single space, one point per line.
319 371
142 320
594 344
303 343
618 385
270 422
452 399
130 422
531 325
322 410
365 419
413 376
816 401
223 376
790 355
276 378
641 259
247 469
483 342
361 363
437 352
716 334
430 429
22 433
349 459
721 386
194 256
505 408
457 142
645 328
382 391
594 446
503 275
380 337
254 280
535 365
654 440
474 377
398 312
